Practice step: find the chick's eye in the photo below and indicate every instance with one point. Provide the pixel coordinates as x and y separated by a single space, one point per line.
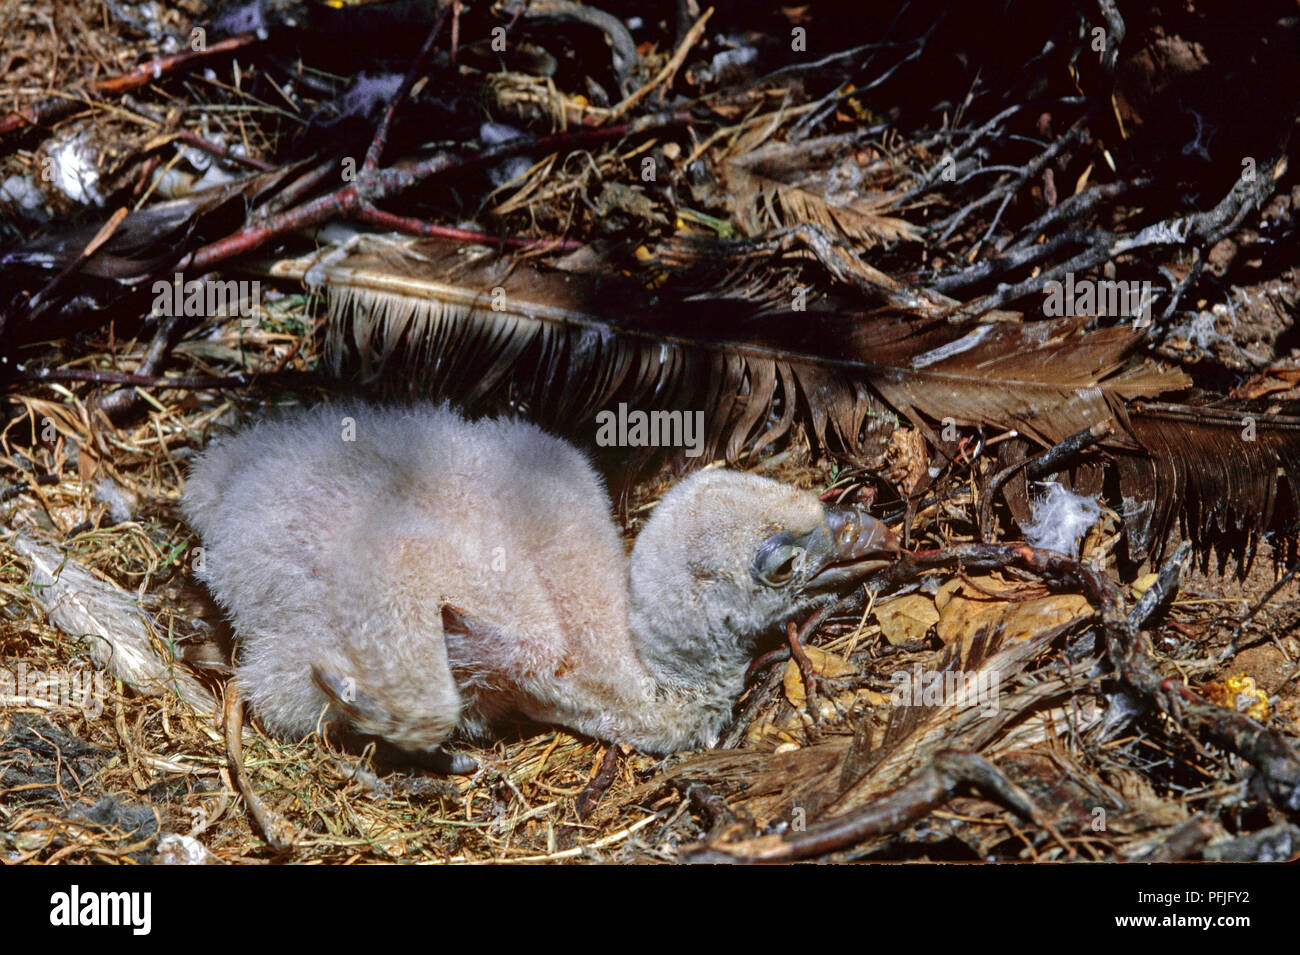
779 564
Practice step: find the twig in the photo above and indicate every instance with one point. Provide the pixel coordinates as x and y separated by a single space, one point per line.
1072 208
576 851
387 220
377 144
275 830
590 796
390 181
47 111
944 228
721 818
1186 840
671 67
782 653
993 127
1267 750
1178 289
809 674
120 402
623 53
43 480
296 191
194 139
758 697
1162 590
103 235
1103 246
933 786
1231 650
222 152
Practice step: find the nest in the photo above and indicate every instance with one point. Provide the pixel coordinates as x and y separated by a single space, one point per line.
988 701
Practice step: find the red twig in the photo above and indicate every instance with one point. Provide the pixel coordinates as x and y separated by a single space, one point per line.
50 110
387 220
222 152
352 199
381 133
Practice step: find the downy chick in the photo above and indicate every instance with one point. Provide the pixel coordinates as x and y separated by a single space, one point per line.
412 574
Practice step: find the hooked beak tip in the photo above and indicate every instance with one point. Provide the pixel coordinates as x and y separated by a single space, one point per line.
857 543
856 534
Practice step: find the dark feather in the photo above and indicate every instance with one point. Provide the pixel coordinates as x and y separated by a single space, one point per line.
429 317
1225 471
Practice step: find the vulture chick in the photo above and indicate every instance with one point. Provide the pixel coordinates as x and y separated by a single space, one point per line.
411 574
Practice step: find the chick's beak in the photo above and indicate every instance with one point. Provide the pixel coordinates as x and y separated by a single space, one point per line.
849 546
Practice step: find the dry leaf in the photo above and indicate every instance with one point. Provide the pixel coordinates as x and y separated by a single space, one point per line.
967 612
906 618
